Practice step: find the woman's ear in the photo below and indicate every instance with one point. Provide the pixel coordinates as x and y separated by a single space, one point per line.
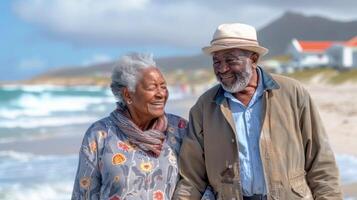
127 96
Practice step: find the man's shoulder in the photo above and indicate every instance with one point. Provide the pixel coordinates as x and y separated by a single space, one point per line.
287 83
291 89
281 79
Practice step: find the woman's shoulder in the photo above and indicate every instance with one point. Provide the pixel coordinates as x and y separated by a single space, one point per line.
177 125
99 128
175 120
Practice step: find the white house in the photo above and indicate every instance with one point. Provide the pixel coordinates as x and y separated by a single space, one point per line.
308 54
272 65
343 54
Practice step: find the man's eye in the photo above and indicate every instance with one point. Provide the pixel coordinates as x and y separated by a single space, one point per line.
232 61
216 63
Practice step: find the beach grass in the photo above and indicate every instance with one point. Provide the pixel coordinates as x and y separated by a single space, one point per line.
345 76
326 75
308 74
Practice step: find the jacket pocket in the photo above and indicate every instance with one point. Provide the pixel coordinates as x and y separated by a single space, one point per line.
228 192
276 191
300 187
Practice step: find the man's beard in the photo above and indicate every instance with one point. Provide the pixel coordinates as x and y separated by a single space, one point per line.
242 80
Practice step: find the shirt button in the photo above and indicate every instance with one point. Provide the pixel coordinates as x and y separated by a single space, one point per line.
233 140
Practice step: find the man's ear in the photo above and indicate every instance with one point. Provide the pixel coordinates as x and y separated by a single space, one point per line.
255 58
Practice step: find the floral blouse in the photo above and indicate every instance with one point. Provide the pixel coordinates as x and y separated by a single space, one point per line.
110 168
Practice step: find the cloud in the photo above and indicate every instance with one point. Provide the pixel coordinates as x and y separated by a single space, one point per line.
31 64
97 59
184 23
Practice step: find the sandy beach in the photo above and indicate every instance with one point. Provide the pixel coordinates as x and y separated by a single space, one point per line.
338 110
336 104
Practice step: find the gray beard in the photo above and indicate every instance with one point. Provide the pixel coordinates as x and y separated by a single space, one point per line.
241 83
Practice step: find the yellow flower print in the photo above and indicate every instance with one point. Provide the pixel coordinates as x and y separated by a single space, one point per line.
171 129
146 167
84 182
172 157
116 179
118 159
173 140
93 146
102 134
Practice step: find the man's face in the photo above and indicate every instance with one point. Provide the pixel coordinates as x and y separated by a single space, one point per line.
233 69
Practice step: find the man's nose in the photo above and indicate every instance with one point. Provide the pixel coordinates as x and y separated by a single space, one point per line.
223 67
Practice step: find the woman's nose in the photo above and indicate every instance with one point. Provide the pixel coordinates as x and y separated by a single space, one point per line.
161 92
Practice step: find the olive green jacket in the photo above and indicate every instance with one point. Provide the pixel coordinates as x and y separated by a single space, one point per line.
297 159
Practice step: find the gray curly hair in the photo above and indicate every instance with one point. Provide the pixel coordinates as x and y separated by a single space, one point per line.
126 73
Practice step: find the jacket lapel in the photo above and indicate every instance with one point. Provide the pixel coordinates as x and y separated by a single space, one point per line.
228 114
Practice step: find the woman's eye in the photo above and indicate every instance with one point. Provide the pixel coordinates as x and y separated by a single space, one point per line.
151 88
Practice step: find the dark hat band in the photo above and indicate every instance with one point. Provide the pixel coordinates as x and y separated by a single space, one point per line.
235 38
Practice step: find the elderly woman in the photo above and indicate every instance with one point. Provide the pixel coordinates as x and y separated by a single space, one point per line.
132 154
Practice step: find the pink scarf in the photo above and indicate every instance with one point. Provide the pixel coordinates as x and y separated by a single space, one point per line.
151 140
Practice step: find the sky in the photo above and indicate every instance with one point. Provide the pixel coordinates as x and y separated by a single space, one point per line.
40 35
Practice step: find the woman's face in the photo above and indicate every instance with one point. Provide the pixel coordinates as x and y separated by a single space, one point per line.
150 96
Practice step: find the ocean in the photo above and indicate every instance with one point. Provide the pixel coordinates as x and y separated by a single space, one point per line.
30 114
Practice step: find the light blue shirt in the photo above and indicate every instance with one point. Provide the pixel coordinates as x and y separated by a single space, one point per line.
248 125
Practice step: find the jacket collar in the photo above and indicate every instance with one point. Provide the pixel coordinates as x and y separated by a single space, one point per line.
268 84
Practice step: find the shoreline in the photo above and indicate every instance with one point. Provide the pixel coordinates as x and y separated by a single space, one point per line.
64 145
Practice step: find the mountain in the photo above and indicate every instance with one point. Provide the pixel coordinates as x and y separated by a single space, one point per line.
278 34
167 64
275 36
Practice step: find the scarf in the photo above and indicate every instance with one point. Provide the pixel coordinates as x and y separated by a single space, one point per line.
151 140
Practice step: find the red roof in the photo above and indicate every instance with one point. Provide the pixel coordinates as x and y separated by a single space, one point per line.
315 46
352 42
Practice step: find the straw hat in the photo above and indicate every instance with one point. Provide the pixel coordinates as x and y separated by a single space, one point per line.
230 36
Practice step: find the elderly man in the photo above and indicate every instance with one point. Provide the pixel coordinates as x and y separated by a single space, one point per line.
254 135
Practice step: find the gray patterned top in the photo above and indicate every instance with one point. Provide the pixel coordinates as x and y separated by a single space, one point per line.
111 168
